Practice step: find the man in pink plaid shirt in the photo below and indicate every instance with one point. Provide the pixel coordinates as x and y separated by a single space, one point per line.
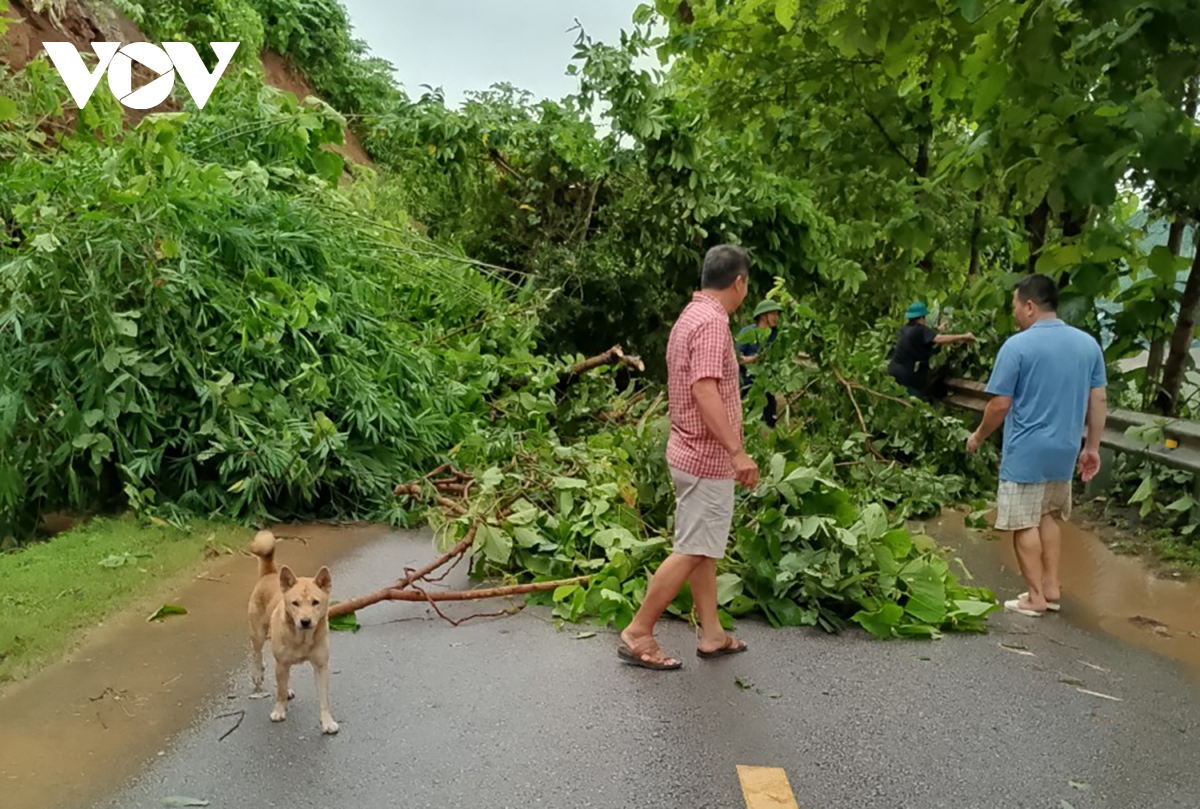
706 456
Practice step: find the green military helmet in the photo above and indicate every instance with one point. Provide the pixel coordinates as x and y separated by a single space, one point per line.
765 307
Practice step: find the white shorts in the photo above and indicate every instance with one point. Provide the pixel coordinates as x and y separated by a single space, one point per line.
1022 505
703 515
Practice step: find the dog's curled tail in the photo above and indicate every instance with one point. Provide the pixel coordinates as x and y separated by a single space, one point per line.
263 547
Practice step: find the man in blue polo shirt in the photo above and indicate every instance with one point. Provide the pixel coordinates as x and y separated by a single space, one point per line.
1048 381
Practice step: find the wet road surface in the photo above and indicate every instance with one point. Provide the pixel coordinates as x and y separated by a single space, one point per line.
514 713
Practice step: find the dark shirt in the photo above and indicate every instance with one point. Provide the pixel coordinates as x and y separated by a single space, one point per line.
748 345
914 346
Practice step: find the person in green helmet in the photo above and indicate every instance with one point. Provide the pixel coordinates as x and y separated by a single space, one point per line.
750 348
915 344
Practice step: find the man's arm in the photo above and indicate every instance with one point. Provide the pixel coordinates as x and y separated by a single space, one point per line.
993 417
1097 414
712 413
943 339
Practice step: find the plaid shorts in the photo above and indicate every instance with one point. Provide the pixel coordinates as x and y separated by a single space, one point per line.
1022 505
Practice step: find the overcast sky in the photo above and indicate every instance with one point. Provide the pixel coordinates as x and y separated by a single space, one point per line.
463 45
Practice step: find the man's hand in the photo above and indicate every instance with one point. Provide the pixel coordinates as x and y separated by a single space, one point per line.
1089 464
974 442
745 471
969 337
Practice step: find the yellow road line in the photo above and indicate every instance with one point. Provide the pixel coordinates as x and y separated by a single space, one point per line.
766 788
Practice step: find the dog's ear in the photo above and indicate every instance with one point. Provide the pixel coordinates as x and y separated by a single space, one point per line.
324 579
287 579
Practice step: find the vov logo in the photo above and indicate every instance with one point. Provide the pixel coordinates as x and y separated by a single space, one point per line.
118 61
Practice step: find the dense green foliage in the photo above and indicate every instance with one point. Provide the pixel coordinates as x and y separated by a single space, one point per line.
554 498
213 314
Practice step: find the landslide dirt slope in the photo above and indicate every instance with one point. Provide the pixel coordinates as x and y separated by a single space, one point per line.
82 23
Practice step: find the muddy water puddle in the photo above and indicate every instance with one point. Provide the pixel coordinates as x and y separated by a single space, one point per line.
1101 590
86 724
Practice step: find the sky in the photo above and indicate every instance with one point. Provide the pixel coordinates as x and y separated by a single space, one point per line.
463 45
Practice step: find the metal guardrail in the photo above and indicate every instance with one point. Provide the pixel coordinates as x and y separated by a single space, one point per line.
1182 453
1180 448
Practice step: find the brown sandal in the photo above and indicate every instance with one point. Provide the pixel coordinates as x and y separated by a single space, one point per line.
635 658
731 646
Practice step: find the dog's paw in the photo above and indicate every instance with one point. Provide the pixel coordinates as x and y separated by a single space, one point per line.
329 727
291 694
278 715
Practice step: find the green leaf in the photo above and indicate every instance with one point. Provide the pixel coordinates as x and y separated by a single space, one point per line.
1165 264
777 466
972 9
899 542
344 623
527 537
1082 786
584 636
974 608
1143 491
569 483
875 521
124 326
564 592
328 165
492 478
495 544
786 11
165 610
615 537
743 683
881 622
729 587
178 800
1184 503
926 592
8 108
112 360
122 560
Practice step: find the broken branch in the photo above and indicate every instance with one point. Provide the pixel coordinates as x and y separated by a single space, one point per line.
397 594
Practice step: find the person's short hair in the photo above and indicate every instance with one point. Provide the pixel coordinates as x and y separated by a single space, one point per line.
1039 289
723 265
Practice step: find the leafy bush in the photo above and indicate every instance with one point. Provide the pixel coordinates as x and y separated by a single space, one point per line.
232 338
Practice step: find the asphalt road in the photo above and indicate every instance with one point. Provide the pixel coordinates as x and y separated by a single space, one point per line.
514 713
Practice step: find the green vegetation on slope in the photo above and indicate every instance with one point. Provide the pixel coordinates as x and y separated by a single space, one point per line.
198 318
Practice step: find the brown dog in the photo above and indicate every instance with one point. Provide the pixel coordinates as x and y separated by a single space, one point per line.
293 613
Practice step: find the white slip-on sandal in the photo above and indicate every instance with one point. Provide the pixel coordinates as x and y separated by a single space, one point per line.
1015 606
1053 606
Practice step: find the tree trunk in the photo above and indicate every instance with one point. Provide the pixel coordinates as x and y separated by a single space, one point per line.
1181 342
1158 344
976 232
1036 224
1072 225
921 167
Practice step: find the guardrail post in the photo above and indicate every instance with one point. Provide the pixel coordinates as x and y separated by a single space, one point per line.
1196 498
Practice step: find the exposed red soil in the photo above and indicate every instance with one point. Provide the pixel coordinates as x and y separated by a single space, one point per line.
81 24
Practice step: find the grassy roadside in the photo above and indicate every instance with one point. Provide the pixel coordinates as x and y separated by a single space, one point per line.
51 593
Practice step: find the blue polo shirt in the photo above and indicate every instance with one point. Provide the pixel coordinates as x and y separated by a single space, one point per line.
1049 371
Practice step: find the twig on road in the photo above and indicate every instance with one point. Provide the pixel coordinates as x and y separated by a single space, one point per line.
240 716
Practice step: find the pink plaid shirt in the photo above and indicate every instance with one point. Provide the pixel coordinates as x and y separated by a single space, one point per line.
701 347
